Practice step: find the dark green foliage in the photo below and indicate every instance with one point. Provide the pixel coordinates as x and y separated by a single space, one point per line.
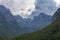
2 37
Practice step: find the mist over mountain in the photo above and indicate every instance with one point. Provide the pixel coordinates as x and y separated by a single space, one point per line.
46 6
20 7
25 7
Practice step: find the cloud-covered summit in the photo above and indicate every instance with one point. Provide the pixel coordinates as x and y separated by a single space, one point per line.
25 7
46 6
19 7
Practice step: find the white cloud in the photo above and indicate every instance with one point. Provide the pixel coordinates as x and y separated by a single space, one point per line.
46 6
25 7
57 2
19 7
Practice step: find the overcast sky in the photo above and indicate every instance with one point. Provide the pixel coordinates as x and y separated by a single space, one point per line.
22 7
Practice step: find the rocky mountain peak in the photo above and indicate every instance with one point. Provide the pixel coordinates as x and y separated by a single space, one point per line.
56 15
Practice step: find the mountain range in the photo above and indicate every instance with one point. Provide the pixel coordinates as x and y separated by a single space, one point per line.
51 32
38 22
11 25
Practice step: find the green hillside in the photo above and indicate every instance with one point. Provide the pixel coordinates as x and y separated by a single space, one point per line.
51 32
2 37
